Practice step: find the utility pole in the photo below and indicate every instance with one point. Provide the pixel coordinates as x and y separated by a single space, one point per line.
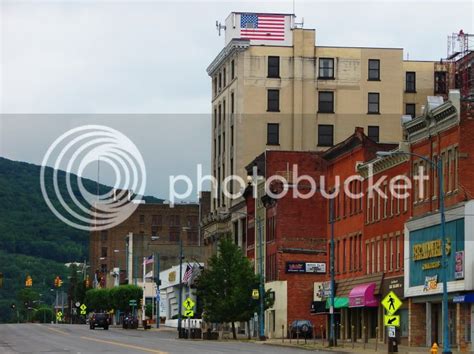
331 267
180 295
446 345
262 282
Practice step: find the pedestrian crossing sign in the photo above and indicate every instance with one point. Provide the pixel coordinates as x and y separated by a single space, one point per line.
59 315
189 304
391 303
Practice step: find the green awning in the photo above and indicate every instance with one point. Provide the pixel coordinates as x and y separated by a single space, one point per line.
339 302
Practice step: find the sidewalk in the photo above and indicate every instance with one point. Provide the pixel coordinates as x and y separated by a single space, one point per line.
348 347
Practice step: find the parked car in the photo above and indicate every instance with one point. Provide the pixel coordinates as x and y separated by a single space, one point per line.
301 329
99 320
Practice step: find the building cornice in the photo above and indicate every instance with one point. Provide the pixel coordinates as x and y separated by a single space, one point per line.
384 163
432 122
235 45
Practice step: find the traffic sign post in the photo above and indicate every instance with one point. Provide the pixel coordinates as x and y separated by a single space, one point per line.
83 309
59 316
391 302
255 294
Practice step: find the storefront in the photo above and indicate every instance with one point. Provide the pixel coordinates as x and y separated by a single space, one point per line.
357 305
424 277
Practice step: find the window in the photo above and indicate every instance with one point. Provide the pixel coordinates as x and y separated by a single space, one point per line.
224 77
232 70
215 86
273 134
367 254
142 219
326 102
325 135
374 102
274 67
410 109
174 235
232 103
103 235
220 81
410 81
326 68
103 252
174 220
273 101
374 69
373 132
440 82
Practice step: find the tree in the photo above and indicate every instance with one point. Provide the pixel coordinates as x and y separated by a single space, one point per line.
121 296
98 300
225 287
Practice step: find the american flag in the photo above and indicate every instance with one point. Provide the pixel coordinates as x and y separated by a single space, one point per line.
187 273
262 27
149 260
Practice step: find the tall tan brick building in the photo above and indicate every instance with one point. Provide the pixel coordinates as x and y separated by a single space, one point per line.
274 88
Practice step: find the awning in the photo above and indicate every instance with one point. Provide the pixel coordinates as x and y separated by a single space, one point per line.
363 296
339 302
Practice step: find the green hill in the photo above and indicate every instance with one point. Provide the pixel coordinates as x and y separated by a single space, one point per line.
33 241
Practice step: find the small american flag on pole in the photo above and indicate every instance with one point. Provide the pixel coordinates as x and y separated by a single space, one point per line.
262 27
187 274
149 260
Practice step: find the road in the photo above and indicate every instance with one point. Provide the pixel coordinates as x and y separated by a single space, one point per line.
40 338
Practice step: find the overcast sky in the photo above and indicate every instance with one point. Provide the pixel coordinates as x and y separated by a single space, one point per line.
140 67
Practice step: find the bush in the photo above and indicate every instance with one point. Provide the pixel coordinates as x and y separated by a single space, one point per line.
43 315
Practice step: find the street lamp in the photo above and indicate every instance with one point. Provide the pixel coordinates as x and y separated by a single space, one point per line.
438 166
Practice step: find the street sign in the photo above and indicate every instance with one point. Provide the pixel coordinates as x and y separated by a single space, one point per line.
392 303
78 304
255 294
132 302
392 332
83 308
59 315
189 304
391 320
188 313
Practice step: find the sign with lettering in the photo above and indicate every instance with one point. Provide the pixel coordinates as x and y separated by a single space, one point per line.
306 267
459 265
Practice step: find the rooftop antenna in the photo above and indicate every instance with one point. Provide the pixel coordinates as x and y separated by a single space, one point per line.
300 24
219 27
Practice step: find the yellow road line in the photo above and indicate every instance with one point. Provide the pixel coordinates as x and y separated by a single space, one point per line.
57 330
125 345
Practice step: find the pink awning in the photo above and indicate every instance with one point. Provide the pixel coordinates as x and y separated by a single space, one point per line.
363 296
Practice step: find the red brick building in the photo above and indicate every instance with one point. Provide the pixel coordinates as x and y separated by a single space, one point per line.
368 234
446 131
293 235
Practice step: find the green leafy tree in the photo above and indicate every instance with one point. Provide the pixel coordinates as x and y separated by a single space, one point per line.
121 296
225 287
99 300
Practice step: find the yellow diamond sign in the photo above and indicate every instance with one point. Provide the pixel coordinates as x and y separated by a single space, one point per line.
391 303
189 304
